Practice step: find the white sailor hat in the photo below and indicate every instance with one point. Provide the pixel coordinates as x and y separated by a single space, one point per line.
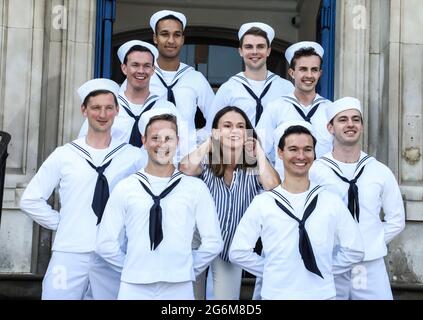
123 49
280 130
290 52
342 105
164 13
262 26
146 116
98 84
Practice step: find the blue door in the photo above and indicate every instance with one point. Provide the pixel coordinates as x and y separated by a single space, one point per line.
106 12
326 37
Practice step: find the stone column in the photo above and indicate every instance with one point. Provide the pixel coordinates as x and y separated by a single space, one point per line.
78 64
46 53
406 110
352 52
21 47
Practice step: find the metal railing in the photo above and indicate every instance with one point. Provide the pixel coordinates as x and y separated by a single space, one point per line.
4 142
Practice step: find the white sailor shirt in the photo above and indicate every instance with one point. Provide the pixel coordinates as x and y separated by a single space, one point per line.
281 266
68 169
377 190
124 122
233 93
191 90
281 110
126 216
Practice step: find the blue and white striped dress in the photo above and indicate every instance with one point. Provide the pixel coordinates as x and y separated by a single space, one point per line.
231 201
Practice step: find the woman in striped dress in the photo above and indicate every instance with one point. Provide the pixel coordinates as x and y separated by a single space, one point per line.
234 167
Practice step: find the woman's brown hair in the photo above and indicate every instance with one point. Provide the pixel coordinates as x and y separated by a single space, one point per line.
216 158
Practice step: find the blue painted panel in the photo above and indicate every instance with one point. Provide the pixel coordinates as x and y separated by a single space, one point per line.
106 13
326 37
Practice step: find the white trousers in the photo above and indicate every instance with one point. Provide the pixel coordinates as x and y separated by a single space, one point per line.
104 281
367 280
156 291
226 280
66 277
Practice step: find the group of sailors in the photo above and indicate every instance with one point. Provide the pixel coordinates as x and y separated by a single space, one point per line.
150 205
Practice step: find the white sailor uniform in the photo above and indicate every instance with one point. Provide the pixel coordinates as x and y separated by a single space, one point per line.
130 111
282 268
377 189
190 90
244 93
288 108
147 271
76 225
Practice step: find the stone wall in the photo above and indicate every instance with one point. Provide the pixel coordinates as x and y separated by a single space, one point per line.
46 51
